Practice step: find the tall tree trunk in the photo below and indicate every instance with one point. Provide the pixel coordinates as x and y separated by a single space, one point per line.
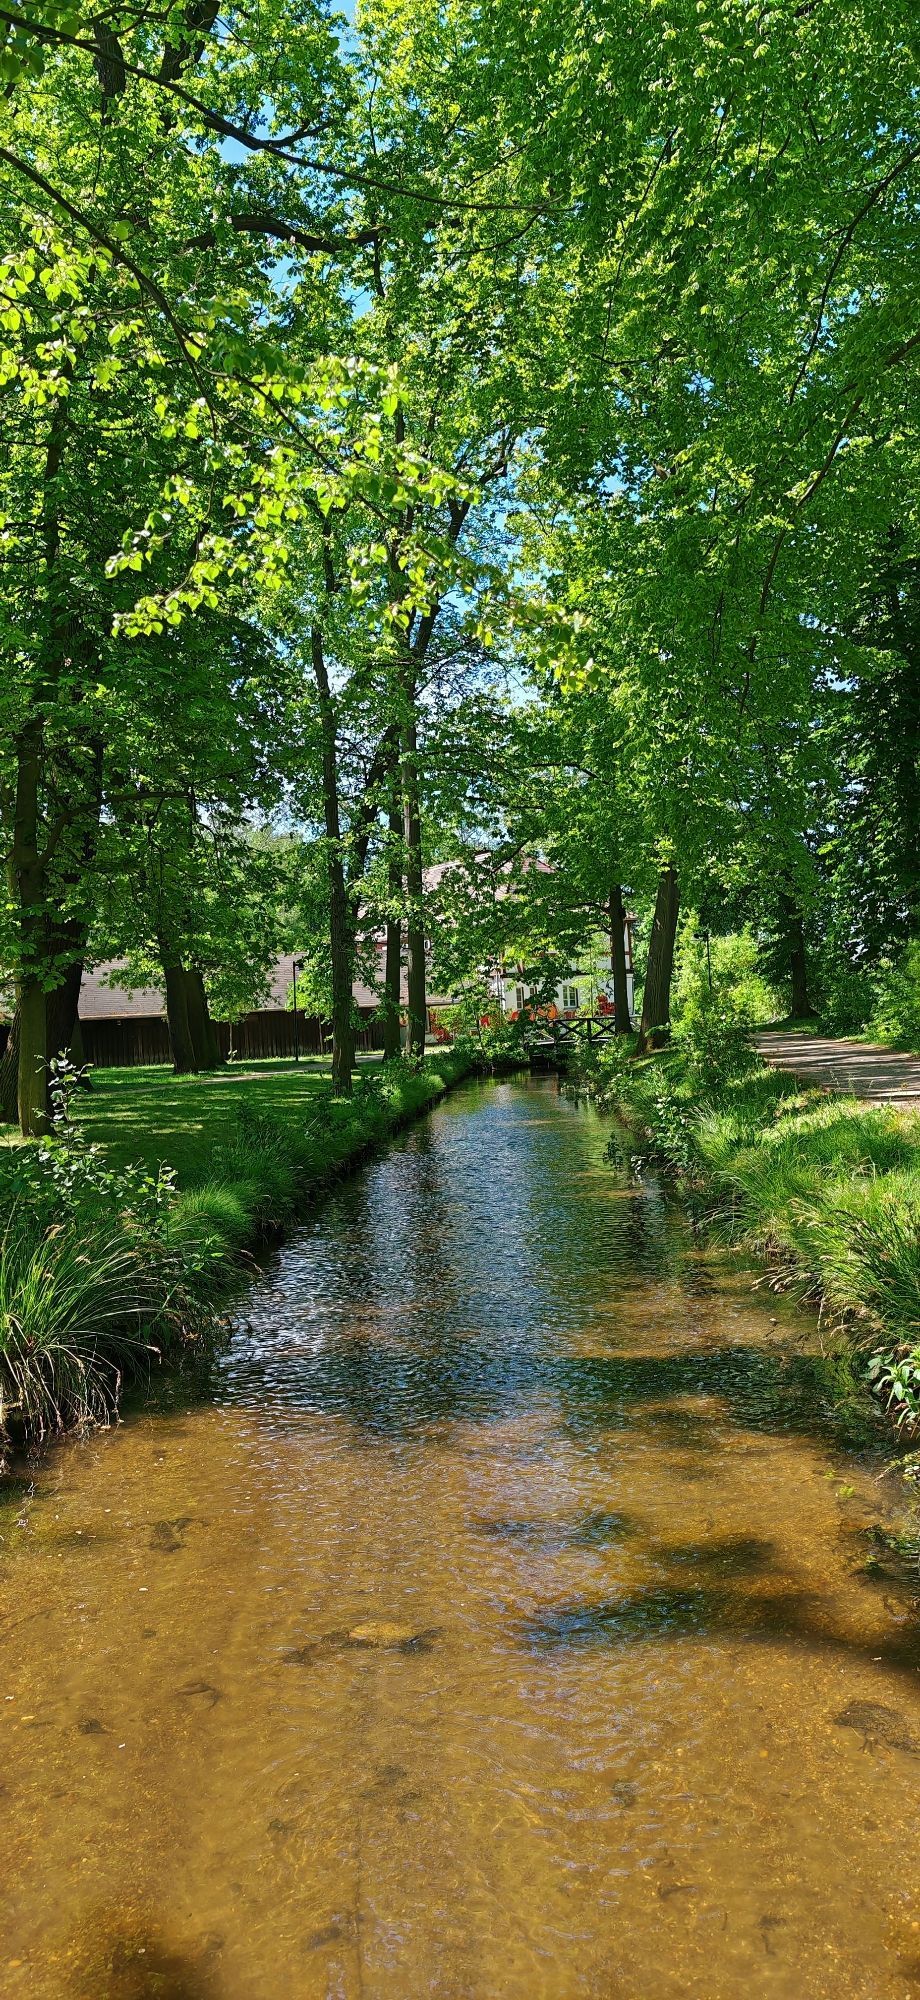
51 948
62 1011
341 963
27 874
180 1033
203 1034
416 979
341 942
9 1074
622 1020
656 999
27 864
392 992
68 935
32 1096
791 919
392 973
60 1037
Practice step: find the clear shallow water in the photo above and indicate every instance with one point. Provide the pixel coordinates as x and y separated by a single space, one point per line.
512 1622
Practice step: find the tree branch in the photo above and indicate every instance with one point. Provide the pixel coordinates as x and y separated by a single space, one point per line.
260 222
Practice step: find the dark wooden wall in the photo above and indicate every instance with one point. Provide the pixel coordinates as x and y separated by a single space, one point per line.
122 1044
111 1044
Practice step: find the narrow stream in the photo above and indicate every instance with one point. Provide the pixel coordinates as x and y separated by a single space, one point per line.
512 1623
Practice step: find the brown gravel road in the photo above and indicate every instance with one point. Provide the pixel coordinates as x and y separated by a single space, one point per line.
859 1068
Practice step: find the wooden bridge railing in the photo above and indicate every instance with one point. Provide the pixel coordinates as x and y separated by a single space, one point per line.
563 1036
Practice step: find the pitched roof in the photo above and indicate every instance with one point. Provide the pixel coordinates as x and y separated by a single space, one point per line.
104 998
101 1001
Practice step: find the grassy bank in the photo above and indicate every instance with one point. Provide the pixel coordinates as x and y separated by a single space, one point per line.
827 1188
151 1115
120 1237
279 1147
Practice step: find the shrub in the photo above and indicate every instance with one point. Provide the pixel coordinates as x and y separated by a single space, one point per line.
66 1179
847 995
497 1044
896 1382
93 1276
713 1036
670 1125
733 966
896 1014
605 1068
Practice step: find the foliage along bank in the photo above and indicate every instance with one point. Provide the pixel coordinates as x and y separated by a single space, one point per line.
107 1270
826 1188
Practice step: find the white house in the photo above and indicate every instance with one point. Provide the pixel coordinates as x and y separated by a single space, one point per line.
586 988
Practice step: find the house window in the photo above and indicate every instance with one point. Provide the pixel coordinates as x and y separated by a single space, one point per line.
519 999
570 998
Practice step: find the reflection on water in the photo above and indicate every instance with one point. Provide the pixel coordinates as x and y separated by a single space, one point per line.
511 1621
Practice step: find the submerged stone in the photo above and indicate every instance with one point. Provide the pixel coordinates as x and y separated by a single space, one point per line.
381 1632
877 1724
167 1536
205 1689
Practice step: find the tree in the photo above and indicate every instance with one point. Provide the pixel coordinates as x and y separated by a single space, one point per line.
140 292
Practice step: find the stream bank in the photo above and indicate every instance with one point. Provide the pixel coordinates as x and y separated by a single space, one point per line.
110 1266
825 1188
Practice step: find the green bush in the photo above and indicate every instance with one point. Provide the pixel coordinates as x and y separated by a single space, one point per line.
895 1015
713 1036
605 1068
498 1045
92 1282
846 995
732 965
669 1124
73 1319
897 1384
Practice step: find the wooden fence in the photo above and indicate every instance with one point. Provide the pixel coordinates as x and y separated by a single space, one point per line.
112 1044
123 1044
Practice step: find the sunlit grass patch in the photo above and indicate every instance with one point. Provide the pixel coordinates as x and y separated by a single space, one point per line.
148 1113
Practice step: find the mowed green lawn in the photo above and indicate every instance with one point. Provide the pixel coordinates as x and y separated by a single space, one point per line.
149 1114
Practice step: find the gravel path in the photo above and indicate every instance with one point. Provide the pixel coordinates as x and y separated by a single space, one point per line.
858 1068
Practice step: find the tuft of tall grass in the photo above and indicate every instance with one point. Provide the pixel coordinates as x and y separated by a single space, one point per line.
72 1319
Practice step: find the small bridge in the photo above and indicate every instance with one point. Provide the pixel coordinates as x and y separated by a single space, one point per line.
550 1044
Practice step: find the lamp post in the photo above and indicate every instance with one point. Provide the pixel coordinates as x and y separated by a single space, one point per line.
296 966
